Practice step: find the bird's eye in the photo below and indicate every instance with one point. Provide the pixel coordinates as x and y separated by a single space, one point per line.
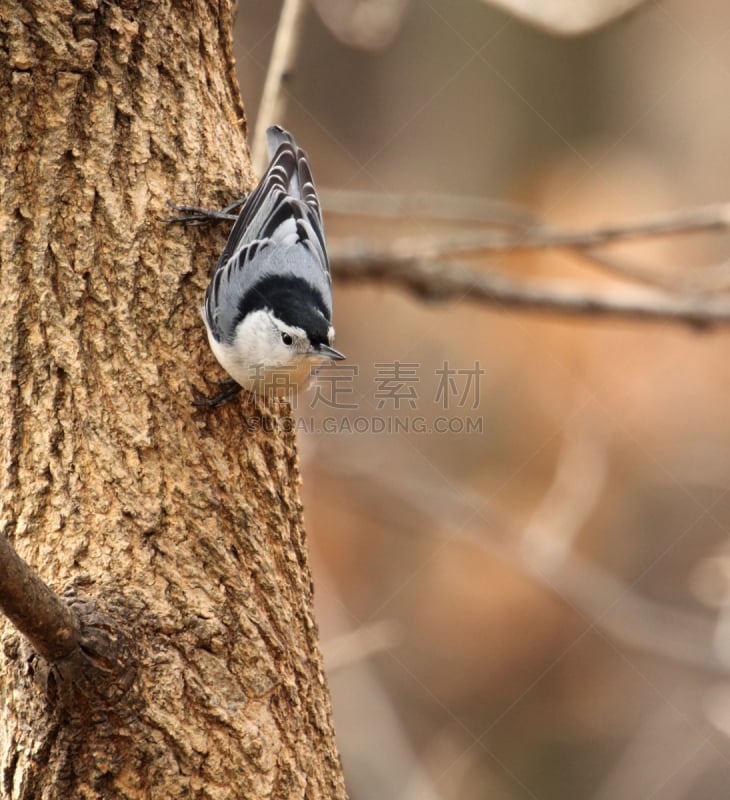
286 339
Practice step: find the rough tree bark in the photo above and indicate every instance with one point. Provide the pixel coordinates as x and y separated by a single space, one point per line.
178 531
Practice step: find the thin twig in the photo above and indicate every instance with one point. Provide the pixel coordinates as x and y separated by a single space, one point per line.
281 63
623 269
451 208
440 281
705 278
688 220
36 611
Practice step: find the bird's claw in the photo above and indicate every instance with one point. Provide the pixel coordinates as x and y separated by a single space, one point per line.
231 390
195 215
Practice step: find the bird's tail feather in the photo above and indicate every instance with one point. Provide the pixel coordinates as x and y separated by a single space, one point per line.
301 181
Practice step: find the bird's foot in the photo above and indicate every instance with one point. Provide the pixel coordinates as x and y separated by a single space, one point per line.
194 215
230 389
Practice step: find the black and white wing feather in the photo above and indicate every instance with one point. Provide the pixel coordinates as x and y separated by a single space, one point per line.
276 250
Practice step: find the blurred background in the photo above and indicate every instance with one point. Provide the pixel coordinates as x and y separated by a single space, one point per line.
523 579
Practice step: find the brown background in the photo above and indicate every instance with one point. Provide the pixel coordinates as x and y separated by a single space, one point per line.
611 439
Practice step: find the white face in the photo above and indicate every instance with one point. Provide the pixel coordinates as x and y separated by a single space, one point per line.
263 345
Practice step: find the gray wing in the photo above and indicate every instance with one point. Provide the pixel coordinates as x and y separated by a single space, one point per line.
278 231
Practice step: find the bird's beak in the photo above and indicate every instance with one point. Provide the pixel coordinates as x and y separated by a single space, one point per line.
328 352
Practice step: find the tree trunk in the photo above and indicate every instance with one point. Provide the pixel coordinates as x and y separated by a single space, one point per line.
177 531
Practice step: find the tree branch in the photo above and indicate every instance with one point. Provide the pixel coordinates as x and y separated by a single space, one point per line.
283 56
425 267
425 206
538 236
440 281
36 611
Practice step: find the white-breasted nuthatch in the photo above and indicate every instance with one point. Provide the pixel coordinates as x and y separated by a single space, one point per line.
268 308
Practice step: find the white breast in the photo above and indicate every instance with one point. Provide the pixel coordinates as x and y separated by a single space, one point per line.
259 362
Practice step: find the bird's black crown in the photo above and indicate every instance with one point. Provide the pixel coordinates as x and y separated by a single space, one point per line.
292 300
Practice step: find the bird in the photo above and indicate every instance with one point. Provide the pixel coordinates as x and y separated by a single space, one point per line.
268 307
